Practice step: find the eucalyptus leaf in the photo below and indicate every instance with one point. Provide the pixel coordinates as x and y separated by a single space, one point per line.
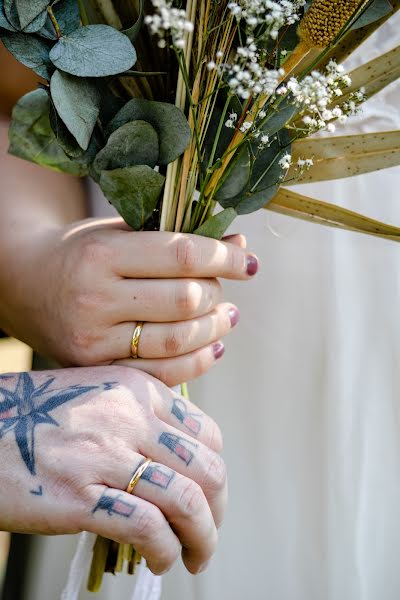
216 226
10 10
134 31
266 169
169 122
237 176
32 138
67 16
132 144
31 51
134 192
279 116
29 10
4 23
77 101
37 24
374 12
94 51
249 202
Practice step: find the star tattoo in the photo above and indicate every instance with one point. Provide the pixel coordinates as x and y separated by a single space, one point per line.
23 409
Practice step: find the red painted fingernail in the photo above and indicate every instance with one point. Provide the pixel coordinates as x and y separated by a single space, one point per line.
219 350
234 316
252 265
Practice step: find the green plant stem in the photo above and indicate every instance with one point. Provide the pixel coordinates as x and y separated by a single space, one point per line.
54 22
84 16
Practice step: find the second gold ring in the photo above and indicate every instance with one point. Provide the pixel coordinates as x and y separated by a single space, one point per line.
136 339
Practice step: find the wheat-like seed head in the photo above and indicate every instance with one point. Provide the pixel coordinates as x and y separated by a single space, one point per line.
324 20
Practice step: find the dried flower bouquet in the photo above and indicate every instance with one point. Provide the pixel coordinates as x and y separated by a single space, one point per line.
188 114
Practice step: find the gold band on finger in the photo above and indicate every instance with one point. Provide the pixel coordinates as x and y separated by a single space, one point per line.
137 475
136 339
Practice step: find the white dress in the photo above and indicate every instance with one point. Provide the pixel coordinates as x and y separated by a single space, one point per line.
308 397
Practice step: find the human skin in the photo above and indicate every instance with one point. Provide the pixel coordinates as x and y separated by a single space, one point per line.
70 442
75 292
74 289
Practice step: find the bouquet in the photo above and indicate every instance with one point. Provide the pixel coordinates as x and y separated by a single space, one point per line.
190 113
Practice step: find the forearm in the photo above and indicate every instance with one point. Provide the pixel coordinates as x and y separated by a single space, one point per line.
33 202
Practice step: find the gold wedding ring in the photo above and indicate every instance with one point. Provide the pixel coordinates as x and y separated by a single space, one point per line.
137 475
135 339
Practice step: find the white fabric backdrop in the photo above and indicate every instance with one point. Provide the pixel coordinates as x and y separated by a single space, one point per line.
308 397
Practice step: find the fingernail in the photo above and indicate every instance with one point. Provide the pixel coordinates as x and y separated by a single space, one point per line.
219 350
252 265
234 316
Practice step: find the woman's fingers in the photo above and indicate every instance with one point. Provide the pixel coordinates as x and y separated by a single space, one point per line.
118 516
172 371
167 340
164 300
181 501
236 238
169 255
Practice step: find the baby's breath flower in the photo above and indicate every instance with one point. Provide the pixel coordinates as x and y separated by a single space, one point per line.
168 19
317 92
286 161
269 15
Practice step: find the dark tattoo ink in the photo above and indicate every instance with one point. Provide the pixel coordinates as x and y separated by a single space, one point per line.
158 475
178 446
38 492
189 420
109 385
23 409
114 505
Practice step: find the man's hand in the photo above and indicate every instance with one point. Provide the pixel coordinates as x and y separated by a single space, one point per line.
70 442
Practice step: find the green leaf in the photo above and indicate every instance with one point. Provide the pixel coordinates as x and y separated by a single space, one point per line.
134 31
67 141
94 51
169 122
134 192
32 138
67 16
279 116
266 170
77 101
376 10
30 51
237 176
11 13
249 202
29 10
132 144
216 226
4 23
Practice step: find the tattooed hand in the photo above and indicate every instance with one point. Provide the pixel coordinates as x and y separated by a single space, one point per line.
70 442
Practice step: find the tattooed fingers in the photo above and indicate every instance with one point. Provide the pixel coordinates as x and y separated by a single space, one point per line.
182 502
189 419
194 460
131 520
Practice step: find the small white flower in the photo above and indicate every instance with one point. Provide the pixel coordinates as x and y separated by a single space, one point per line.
286 161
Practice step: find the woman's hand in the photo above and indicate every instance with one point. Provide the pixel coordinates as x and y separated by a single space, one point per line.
70 442
78 293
